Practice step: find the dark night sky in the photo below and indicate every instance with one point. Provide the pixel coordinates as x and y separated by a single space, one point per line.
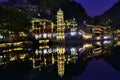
94 7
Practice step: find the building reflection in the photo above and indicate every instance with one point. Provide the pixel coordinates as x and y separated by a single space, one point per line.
98 48
61 60
59 55
117 43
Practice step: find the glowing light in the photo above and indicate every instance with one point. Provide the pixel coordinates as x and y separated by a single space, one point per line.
1 56
49 50
2 45
36 36
98 38
84 22
36 51
41 47
45 51
54 34
17 43
12 58
118 43
73 33
105 37
44 35
79 33
22 56
22 34
29 49
18 49
38 14
87 45
54 50
81 50
106 42
73 51
87 36
1 37
98 43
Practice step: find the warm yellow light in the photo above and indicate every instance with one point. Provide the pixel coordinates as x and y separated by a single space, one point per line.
118 43
87 45
22 56
18 49
87 36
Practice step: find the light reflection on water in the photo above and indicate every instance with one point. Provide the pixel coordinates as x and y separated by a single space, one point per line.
88 61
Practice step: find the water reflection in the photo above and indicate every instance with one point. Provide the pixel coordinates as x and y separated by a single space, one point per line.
57 61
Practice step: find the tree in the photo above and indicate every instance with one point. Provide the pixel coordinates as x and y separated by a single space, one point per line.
13 20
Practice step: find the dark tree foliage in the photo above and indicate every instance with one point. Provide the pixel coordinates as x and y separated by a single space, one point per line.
71 8
13 20
48 9
111 17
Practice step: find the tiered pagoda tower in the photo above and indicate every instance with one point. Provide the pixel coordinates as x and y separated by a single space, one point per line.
60 26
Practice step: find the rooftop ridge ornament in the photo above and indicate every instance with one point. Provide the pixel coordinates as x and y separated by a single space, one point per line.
60 10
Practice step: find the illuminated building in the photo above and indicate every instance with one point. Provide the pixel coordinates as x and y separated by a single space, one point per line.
46 29
60 26
97 51
117 34
98 48
117 43
42 27
72 25
98 32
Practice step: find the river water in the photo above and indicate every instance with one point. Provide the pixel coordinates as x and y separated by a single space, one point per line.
98 60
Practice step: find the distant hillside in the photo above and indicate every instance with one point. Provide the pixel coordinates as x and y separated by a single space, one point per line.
110 17
71 8
47 8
